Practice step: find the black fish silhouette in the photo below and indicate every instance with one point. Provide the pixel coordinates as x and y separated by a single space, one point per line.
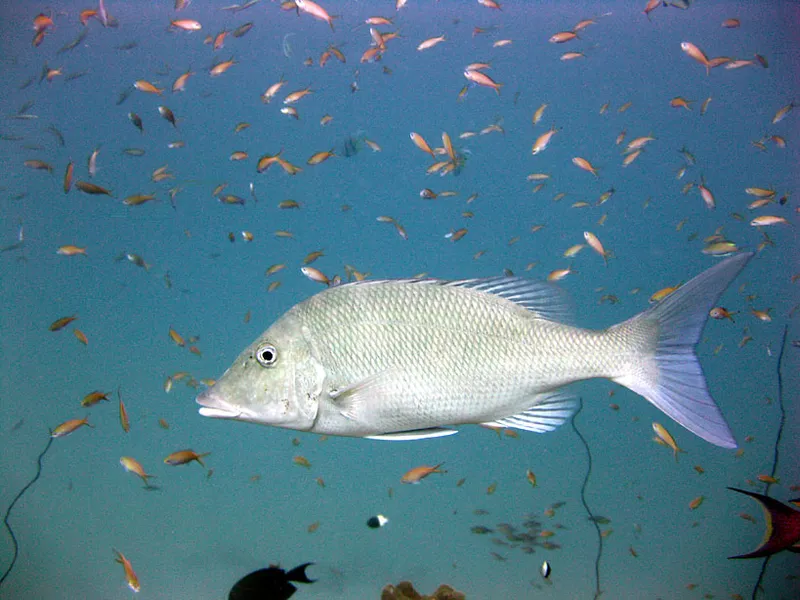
272 583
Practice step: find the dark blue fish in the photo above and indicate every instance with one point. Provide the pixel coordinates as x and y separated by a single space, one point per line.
272 583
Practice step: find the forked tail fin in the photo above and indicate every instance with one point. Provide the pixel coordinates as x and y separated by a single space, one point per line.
669 375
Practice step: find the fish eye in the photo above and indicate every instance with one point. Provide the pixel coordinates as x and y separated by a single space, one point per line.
266 355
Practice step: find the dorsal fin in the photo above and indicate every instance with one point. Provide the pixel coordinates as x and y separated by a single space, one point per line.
543 299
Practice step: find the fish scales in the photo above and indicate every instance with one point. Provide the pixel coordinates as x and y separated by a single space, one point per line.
406 359
465 355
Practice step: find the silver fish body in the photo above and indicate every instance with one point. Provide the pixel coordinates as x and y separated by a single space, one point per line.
404 359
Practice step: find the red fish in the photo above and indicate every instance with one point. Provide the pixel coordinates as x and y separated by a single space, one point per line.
783 526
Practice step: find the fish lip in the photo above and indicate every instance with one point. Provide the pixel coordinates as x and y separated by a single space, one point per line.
211 405
218 413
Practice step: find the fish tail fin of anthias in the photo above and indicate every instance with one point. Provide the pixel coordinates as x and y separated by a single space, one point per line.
664 367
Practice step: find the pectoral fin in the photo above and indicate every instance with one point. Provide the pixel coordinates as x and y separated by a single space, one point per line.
351 400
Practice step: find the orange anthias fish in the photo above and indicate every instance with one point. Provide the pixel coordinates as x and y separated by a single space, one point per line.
124 421
220 68
42 22
176 337
543 140
186 25
59 324
315 10
68 427
562 36
707 196
182 457
596 245
719 312
68 177
483 79
584 164
782 523
420 143
696 54
93 398
417 474
147 87
430 43
180 83
71 250
130 574
132 465
680 102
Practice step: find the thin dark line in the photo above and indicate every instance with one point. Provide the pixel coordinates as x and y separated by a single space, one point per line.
592 518
776 451
14 501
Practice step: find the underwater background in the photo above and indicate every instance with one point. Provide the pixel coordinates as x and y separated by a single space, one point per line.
199 529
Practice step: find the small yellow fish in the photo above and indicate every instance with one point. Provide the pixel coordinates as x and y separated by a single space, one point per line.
664 437
768 479
662 293
132 465
68 427
176 337
537 116
93 398
573 250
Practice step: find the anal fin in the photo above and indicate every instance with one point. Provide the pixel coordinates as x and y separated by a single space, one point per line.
548 412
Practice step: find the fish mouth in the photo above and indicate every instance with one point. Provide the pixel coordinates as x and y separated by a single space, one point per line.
211 405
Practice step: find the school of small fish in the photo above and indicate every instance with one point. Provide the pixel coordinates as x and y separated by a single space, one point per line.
271 144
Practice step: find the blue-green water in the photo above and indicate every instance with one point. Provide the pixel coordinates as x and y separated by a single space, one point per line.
196 535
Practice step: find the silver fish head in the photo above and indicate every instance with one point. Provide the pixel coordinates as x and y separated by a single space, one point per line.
275 381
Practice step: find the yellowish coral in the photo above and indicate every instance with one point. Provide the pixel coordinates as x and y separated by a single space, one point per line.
405 591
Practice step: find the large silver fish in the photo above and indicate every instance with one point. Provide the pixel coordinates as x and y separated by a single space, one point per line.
403 359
